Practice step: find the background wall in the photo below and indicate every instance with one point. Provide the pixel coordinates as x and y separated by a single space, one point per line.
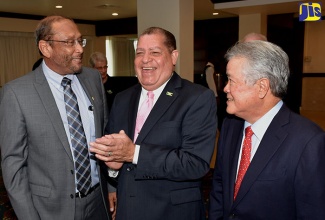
303 41
313 80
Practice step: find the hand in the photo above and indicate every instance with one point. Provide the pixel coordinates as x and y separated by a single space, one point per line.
114 149
112 203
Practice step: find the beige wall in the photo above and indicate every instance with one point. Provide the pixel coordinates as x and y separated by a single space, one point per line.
314 47
313 88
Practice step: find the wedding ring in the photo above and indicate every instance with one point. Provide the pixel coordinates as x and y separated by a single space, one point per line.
109 153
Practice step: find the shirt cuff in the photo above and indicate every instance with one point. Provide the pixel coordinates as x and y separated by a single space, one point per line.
136 154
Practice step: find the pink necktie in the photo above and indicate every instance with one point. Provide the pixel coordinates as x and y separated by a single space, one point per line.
143 113
245 158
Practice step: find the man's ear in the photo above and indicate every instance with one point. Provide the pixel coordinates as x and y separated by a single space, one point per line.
174 56
264 87
45 48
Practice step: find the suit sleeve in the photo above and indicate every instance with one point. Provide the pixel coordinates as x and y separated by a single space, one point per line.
14 153
310 180
216 194
194 128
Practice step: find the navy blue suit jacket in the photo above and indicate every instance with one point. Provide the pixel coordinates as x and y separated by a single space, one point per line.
176 145
286 177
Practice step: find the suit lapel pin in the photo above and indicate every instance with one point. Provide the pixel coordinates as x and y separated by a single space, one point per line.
93 98
169 93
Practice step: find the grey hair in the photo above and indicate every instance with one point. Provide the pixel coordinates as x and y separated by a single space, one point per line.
264 60
96 56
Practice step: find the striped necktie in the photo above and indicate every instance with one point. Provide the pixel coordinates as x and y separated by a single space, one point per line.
78 138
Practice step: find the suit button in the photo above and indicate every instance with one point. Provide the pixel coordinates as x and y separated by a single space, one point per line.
71 171
232 216
71 196
128 169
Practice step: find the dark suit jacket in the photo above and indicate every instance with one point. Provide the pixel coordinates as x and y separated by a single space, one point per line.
37 163
116 84
286 177
177 142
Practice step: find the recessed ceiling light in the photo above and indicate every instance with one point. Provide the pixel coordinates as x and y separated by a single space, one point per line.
115 14
59 6
215 13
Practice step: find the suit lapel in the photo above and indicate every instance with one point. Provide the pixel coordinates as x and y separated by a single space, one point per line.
166 98
271 142
88 88
133 109
234 153
45 94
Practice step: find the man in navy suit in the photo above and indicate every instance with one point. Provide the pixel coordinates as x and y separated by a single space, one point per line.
285 179
162 170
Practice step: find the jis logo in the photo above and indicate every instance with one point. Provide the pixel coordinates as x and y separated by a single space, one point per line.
310 11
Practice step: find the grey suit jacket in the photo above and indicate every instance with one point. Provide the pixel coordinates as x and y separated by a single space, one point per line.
37 163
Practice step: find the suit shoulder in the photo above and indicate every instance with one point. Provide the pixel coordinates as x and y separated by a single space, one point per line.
304 124
90 72
25 79
193 88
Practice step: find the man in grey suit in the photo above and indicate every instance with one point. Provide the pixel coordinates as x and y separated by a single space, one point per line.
39 163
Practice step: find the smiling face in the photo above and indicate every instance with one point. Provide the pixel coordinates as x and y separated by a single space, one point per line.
154 63
60 57
243 100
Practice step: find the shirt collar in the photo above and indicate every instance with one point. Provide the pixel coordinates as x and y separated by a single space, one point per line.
260 126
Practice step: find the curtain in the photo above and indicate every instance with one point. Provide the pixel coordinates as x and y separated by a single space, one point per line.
120 55
18 53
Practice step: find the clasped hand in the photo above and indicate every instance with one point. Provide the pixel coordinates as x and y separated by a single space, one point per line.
113 149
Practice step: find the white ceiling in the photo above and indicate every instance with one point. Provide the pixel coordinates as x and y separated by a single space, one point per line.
94 10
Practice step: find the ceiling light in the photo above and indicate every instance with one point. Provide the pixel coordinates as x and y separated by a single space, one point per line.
115 14
215 13
59 6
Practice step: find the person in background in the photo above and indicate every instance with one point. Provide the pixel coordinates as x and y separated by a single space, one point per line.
161 164
37 63
45 128
98 61
270 161
210 78
254 36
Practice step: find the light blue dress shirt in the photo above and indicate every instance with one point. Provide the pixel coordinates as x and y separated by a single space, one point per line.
87 117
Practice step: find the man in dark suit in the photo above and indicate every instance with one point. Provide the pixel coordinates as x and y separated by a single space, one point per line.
285 156
164 163
39 163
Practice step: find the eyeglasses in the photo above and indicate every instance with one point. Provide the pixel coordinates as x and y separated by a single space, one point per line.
72 43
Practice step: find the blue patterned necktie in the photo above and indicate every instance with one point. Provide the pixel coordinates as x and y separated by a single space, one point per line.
78 138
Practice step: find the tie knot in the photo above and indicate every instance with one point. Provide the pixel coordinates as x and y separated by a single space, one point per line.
65 81
150 94
248 132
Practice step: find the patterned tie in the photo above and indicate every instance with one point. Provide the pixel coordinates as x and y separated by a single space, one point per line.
78 138
143 113
245 159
